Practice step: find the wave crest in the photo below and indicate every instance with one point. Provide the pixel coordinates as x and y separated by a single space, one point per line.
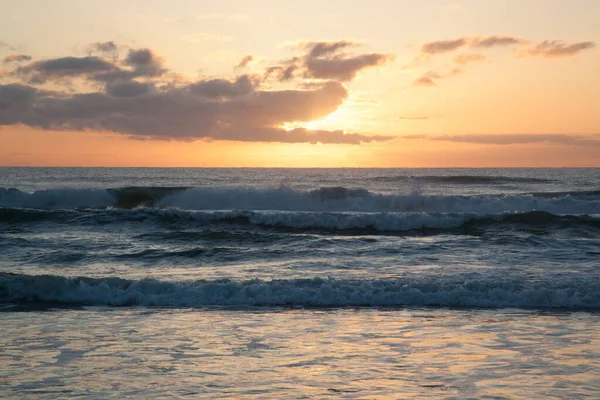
441 291
332 199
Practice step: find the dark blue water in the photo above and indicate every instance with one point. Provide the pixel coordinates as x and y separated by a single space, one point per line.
527 238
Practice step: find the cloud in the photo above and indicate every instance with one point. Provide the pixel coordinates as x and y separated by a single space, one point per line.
547 48
133 94
137 63
512 138
206 37
104 47
244 62
219 109
443 46
327 60
492 41
63 67
450 45
557 48
468 58
7 46
425 80
223 88
428 79
16 58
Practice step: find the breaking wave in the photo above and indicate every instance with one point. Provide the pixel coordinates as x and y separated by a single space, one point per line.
336 221
332 199
461 179
447 291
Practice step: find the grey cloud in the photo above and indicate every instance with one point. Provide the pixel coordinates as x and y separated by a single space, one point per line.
325 60
512 138
41 71
128 89
16 101
136 96
180 113
282 73
446 46
244 62
343 69
443 46
138 63
16 58
105 47
320 49
491 41
216 88
557 48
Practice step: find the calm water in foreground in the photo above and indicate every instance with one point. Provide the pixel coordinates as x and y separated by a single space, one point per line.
283 283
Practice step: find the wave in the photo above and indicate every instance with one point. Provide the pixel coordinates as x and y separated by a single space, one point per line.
447 291
331 221
460 179
332 199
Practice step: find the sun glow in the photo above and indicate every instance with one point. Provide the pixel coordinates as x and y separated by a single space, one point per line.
345 118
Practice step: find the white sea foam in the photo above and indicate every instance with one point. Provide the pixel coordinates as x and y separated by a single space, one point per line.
442 291
335 199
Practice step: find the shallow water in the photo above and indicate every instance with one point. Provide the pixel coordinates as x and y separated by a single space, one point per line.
357 353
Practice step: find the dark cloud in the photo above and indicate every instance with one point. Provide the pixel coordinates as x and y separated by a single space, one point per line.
223 88
16 58
16 101
200 110
443 46
468 58
341 68
322 49
57 68
105 47
129 89
557 48
492 41
244 62
512 138
282 73
138 63
135 95
327 61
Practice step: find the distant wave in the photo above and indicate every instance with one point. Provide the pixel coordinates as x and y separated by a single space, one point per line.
331 221
445 291
333 199
459 179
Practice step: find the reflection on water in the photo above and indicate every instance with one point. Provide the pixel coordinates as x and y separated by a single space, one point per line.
366 353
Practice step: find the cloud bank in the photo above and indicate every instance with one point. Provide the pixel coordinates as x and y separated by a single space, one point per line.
131 92
432 49
513 138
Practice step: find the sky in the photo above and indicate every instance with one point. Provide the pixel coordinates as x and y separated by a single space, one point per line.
352 83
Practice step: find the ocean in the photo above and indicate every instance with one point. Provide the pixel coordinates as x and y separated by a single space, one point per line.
299 283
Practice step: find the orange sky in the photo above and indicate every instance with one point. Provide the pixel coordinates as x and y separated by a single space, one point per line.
378 84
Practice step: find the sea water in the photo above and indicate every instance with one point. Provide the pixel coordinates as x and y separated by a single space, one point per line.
299 283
